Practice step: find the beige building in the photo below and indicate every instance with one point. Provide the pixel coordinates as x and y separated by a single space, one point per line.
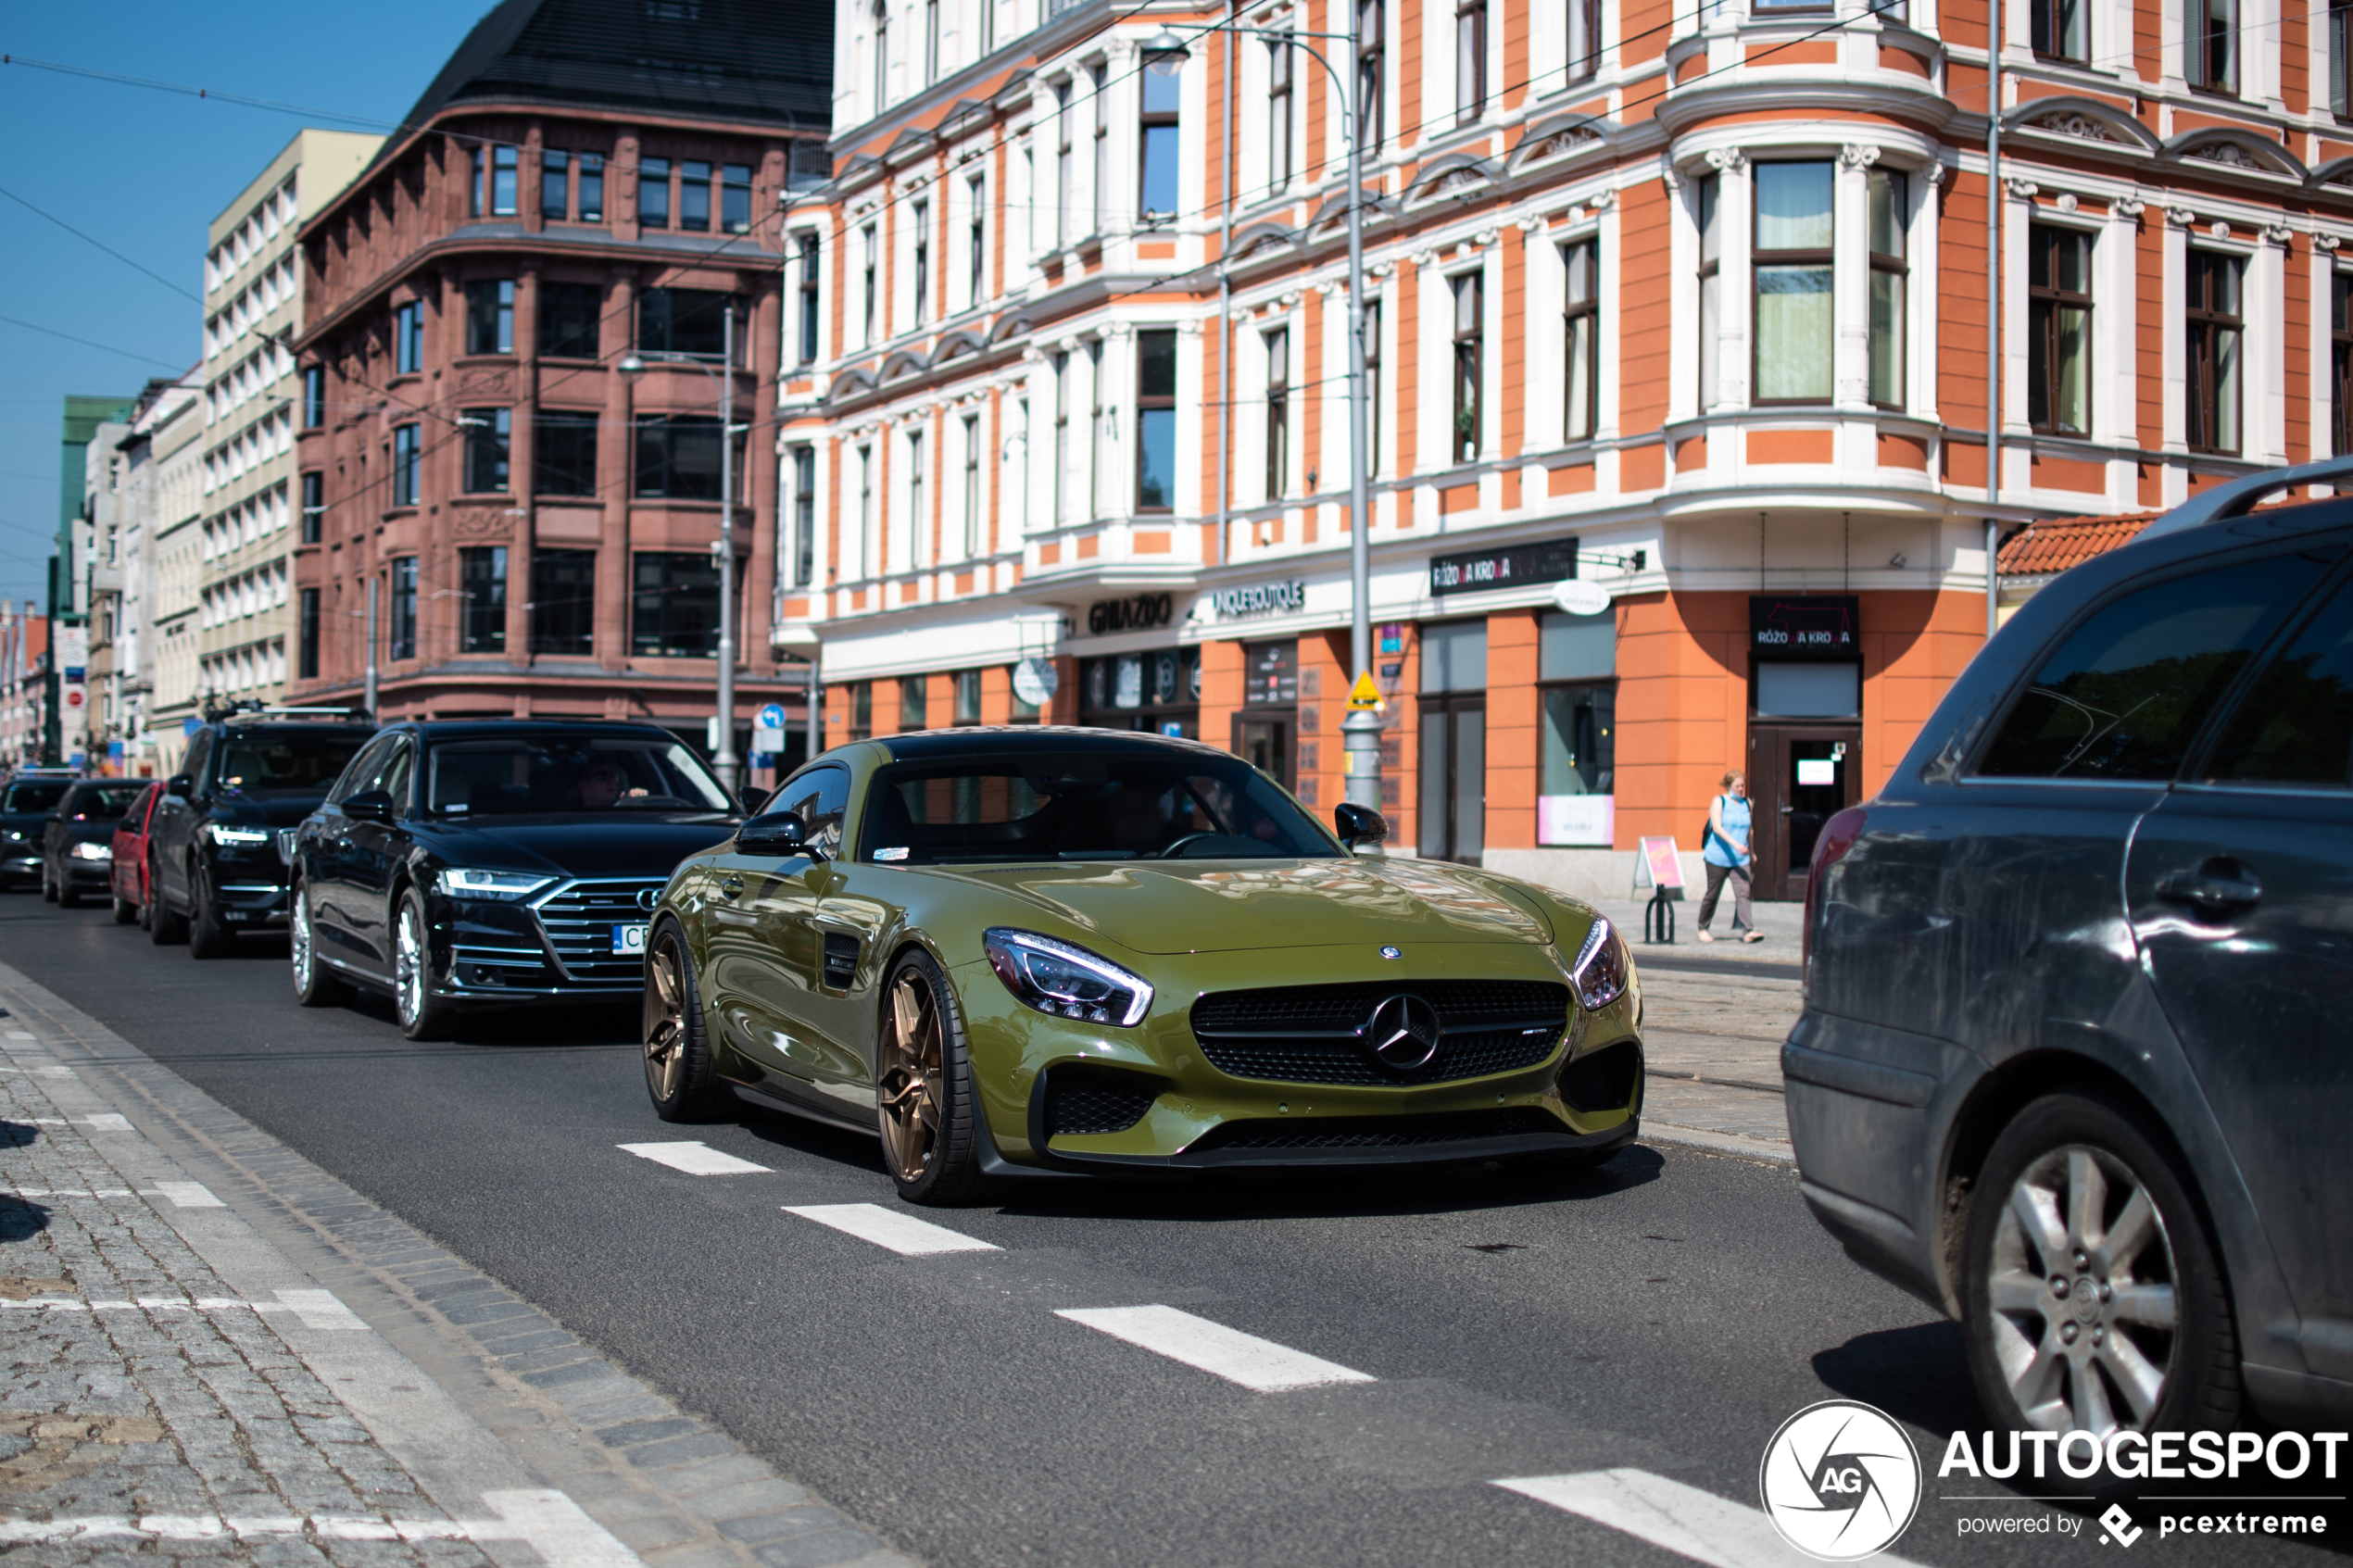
174 583
251 513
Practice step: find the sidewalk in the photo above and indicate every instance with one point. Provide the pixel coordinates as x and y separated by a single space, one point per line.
1712 1036
178 1387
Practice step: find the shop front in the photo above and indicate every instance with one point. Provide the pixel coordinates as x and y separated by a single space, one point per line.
1805 728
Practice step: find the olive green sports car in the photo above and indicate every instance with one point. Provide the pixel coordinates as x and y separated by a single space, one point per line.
1033 950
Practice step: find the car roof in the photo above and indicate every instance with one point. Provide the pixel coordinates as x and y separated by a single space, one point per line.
491 729
997 740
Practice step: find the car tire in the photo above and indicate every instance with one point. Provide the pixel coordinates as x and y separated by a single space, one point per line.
68 896
208 936
682 1078
923 1088
165 925
48 887
2139 1333
423 1015
314 984
125 912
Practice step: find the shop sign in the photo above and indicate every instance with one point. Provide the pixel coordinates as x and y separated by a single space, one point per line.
1803 625
1266 598
1512 565
1270 675
1138 614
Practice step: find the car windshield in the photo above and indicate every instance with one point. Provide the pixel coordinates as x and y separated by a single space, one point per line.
529 775
39 795
1074 806
105 803
278 765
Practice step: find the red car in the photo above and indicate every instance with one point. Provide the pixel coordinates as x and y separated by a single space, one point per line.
129 875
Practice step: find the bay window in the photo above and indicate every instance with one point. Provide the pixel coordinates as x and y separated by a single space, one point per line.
1157 179
1155 425
1706 196
1890 202
1794 272
2058 330
1278 344
1580 338
1470 341
1470 60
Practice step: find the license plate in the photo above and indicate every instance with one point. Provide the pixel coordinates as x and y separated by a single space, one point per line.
629 939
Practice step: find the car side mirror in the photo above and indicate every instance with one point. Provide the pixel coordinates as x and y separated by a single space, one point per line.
1359 824
369 805
778 833
180 787
753 799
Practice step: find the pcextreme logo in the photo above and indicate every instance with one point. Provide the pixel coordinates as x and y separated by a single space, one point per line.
1839 1481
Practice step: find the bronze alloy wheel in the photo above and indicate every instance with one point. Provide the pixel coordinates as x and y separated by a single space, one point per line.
680 1077
923 1088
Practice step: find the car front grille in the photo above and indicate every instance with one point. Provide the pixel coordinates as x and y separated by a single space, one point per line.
1095 1099
1314 1034
578 918
1377 1132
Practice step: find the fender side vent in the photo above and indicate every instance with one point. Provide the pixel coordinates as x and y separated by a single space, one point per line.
841 960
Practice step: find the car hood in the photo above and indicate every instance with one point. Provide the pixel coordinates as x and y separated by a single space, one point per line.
598 843
99 832
241 811
1219 906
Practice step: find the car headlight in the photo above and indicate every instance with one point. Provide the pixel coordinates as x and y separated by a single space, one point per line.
472 882
230 837
94 852
1065 981
1601 967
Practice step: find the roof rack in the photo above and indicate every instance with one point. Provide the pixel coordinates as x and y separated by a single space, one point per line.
249 710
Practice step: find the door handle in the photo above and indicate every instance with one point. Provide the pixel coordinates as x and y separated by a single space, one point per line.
2217 887
731 885
1786 810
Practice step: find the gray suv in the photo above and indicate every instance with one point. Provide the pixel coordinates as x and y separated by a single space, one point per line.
2076 1064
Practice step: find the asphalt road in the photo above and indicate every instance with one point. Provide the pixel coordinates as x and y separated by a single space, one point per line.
1666 1313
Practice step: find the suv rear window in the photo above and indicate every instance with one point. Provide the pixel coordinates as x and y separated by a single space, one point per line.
2123 696
283 764
37 796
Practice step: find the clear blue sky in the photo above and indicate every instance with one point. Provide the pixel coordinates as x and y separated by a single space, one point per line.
145 171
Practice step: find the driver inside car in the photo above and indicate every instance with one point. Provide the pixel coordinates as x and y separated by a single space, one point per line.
601 783
1134 820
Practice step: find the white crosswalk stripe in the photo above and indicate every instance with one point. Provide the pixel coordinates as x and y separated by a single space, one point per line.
902 1234
1227 1352
1682 1519
694 1157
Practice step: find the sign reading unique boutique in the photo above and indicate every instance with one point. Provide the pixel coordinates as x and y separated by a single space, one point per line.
1266 598
1803 626
1512 565
1139 614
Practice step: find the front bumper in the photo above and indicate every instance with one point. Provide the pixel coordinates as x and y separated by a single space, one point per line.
25 865
555 948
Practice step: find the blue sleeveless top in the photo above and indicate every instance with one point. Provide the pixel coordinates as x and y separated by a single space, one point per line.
1735 817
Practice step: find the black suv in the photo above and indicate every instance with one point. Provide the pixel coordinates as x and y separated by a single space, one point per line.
212 850
26 800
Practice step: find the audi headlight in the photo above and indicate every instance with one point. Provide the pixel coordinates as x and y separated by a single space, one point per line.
1602 967
230 837
470 882
1068 981
94 852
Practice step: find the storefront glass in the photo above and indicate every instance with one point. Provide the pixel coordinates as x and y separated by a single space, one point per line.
1157 691
1453 741
1577 664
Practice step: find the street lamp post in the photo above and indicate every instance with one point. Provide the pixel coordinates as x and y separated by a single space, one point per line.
1360 730
724 759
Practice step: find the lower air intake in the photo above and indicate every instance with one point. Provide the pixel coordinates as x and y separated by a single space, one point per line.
1377 1132
1096 1099
1603 1080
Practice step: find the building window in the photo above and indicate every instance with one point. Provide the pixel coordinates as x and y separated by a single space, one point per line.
1156 180
1099 440
931 42
735 198
1470 340
409 338
1794 272
968 697
1099 95
976 242
693 196
406 450
307 633
2062 30
563 602
2213 326
673 607
569 316
918 517
1278 112
1277 345
1705 194
1470 59
555 185
314 396
592 188
915 702
2340 57
861 710
1063 163
482 580
2341 382
1372 386
489 436
882 56
314 506
490 317
495 175
563 452
804 515
1371 56
689 322
2059 331
1580 338
653 192
1059 479
2214 44
1890 201
971 508
866 541
811 300
921 214
1156 421
678 457
866 297
1584 39
403 641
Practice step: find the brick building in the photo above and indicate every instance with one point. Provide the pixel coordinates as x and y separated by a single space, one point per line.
585 180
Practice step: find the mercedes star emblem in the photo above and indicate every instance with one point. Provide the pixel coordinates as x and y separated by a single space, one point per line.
1403 1033
1392 953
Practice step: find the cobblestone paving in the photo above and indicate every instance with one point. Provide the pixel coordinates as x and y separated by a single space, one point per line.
1714 1050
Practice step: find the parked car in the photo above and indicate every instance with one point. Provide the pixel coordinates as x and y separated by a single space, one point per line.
77 838
487 861
2072 1064
26 800
127 870
213 866
1032 948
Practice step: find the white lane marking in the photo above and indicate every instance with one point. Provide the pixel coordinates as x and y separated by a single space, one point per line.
68 1192
187 1195
1667 1514
1230 1353
695 1158
902 1234
549 1522
557 1528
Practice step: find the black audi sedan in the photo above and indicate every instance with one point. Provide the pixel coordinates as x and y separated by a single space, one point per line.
77 842
467 862
2074 1060
26 799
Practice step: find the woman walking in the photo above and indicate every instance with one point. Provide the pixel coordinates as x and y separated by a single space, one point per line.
1729 858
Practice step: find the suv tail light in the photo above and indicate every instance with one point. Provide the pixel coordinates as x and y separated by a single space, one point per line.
1838 836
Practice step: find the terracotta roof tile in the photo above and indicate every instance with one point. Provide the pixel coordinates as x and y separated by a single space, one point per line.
2052 546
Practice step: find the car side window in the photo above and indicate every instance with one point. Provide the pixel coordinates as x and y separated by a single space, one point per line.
820 796
360 774
394 780
2296 725
199 754
2123 696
